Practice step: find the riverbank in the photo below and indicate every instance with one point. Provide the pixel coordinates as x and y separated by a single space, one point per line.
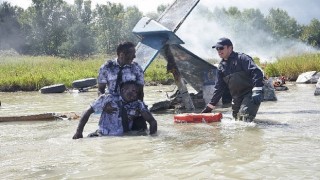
28 73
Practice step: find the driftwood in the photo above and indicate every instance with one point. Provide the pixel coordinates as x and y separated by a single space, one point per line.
41 117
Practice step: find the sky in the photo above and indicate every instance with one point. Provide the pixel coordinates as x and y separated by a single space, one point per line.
200 34
302 11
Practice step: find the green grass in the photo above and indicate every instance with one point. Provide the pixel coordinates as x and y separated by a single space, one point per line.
157 72
27 73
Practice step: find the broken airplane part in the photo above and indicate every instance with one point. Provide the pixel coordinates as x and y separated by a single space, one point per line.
159 36
162 29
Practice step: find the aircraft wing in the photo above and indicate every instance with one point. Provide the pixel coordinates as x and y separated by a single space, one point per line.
155 34
176 13
153 37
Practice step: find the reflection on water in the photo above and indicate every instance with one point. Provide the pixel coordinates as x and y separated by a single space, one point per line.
284 142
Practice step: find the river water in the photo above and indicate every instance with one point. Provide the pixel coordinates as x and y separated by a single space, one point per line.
284 143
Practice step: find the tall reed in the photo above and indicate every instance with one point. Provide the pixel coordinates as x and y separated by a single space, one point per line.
292 66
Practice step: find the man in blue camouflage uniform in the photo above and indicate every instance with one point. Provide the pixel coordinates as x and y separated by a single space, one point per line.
118 113
120 70
242 76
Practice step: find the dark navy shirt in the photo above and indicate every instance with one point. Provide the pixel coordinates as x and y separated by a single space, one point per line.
237 63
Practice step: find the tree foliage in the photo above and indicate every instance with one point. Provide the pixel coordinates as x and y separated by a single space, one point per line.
10 29
282 25
311 33
113 24
79 36
53 27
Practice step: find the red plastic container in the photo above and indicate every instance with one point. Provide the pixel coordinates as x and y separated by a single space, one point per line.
197 118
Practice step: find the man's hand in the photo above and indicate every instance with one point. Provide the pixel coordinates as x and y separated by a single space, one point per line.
153 127
77 135
83 120
109 109
257 96
208 108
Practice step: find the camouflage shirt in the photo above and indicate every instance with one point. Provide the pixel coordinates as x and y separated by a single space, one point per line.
108 74
111 124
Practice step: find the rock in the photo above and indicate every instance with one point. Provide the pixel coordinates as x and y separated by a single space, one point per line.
269 91
308 77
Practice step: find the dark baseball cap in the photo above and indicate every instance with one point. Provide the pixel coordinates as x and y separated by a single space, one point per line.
223 42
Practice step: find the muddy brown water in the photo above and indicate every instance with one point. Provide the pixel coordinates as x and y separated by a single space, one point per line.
284 143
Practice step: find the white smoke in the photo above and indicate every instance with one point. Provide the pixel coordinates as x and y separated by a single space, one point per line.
200 33
302 11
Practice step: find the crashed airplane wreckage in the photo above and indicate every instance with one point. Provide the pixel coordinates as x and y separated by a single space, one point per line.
159 37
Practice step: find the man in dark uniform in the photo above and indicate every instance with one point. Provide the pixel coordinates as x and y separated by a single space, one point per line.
243 77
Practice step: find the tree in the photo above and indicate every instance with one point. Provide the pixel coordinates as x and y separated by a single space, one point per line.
228 18
106 22
10 28
113 24
254 19
79 37
79 42
130 19
233 11
45 25
282 25
83 11
311 33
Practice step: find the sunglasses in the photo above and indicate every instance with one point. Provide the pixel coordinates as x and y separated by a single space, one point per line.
219 48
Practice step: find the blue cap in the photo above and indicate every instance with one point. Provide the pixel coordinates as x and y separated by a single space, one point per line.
223 42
